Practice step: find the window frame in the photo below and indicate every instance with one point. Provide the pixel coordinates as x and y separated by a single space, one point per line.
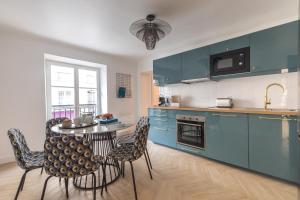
76 68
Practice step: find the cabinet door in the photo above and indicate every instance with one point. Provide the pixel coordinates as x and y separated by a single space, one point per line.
275 48
274 146
163 135
156 112
195 64
167 70
229 45
227 138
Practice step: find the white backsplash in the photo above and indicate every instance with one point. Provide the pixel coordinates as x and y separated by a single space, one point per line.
246 92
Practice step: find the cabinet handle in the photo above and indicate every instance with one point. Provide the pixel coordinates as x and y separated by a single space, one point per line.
160 129
161 115
161 120
277 118
223 115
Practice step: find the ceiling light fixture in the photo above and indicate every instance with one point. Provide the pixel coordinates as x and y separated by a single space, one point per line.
150 30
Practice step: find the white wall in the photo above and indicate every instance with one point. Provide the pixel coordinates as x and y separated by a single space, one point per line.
246 92
22 100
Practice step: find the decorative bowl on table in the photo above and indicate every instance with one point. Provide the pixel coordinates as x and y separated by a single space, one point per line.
66 123
106 118
78 122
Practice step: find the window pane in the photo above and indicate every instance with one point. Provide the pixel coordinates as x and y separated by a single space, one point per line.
62 96
87 96
87 78
62 76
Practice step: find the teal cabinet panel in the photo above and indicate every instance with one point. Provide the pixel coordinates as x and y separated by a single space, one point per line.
275 48
159 122
274 146
172 114
156 112
195 63
227 138
162 135
167 70
158 134
172 137
172 123
229 45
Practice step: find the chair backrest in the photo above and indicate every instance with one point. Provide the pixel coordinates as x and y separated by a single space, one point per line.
140 140
142 121
19 145
52 122
68 156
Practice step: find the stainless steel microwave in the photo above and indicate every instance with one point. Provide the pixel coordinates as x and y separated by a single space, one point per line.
230 62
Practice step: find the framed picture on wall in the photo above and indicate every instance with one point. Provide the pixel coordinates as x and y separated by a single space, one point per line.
123 85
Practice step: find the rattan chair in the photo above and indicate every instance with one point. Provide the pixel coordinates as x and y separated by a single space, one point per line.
68 157
129 152
26 159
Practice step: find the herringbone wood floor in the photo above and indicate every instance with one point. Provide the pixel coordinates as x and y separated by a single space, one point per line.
177 176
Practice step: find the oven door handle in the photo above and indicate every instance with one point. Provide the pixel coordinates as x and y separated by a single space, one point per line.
190 124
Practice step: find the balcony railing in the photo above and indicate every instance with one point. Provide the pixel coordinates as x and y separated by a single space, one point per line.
68 111
87 109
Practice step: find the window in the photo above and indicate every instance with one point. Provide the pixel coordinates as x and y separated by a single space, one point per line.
71 90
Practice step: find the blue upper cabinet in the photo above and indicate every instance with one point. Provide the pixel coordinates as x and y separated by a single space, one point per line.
274 49
168 70
195 64
229 45
274 146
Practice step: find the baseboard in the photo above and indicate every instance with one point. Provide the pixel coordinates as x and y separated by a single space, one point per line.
7 159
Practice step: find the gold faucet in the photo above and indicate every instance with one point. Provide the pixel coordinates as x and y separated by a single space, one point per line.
267 100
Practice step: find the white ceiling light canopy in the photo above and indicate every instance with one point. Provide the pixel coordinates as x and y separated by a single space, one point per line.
150 30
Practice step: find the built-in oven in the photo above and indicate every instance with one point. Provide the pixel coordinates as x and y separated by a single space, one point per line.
190 131
230 62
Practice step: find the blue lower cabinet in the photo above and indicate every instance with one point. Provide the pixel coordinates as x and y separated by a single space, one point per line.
162 135
161 122
172 114
172 137
274 146
156 112
189 149
172 124
227 138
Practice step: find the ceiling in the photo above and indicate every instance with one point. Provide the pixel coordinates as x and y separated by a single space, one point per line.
103 25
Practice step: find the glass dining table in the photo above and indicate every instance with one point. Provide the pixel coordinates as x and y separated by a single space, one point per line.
103 140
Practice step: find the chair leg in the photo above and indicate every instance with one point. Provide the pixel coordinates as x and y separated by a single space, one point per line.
20 187
94 185
23 180
59 179
67 187
148 158
42 170
44 189
133 180
148 166
123 169
104 177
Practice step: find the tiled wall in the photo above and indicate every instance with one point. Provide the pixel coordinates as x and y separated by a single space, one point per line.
246 92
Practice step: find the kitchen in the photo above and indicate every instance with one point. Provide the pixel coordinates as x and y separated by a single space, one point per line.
150 100
234 101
